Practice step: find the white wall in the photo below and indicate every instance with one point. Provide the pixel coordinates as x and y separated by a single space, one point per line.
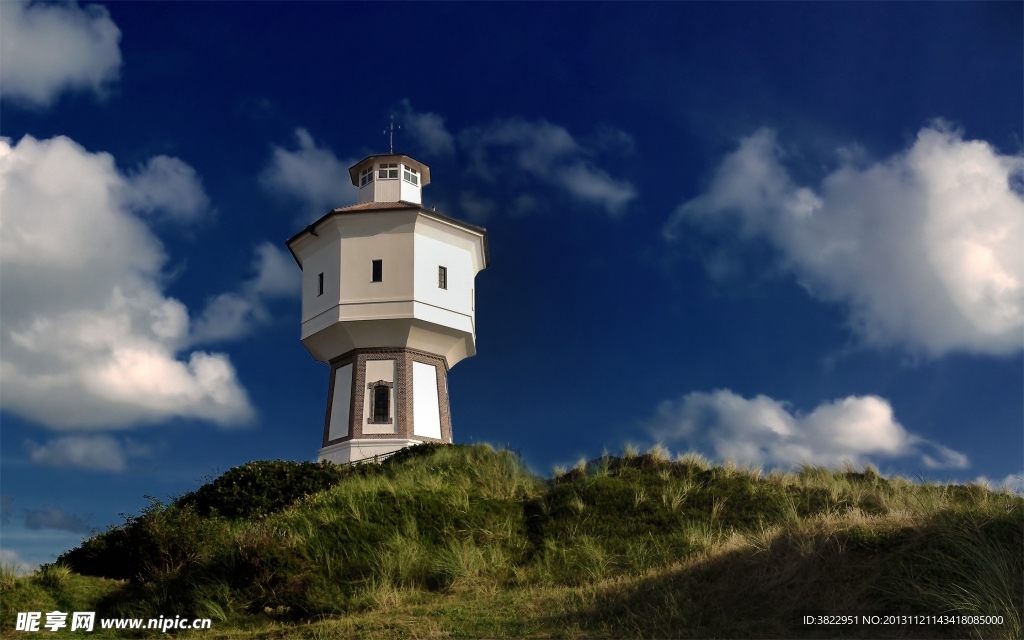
378 236
378 370
340 404
426 413
410 192
324 258
366 193
432 253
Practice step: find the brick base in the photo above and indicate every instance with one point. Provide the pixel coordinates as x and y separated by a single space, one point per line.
403 418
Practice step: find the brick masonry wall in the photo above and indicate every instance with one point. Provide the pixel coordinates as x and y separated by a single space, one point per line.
403 393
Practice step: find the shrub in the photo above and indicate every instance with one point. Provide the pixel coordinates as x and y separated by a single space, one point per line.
258 489
54 575
160 541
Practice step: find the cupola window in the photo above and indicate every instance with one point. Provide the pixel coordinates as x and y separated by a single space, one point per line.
385 171
377 271
366 177
410 175
442 277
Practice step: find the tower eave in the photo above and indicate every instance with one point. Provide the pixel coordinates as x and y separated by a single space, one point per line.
311 230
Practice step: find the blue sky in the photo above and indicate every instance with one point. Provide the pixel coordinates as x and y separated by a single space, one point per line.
779 232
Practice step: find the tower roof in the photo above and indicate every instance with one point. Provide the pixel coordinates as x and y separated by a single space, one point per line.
424 170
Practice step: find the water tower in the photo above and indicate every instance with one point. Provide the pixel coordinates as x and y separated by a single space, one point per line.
388 303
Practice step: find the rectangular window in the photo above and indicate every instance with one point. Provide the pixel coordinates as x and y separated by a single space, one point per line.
442 277
387 170
378 271
366 177
410 175
320 284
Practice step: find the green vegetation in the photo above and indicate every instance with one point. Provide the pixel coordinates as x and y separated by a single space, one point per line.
464 541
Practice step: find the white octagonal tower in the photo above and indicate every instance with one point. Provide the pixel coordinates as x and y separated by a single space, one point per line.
388 303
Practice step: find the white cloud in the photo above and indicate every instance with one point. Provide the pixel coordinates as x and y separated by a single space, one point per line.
548 153
311 174
763 431
1013 483
96 452
501 151
427 129
46 49
925 247
476 208
235 314
13 559
87 338
50 517
276 273
166 188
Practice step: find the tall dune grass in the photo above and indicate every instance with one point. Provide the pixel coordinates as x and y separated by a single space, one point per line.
635 545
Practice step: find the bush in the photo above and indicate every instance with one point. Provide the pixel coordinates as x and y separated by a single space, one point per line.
54 575
160 541
257 489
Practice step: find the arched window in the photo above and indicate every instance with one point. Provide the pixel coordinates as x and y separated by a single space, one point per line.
380 402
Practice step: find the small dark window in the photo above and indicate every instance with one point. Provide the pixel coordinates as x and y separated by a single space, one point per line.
320 284
442 277
381 404
378 271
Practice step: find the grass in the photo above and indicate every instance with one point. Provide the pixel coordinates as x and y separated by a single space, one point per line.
462 541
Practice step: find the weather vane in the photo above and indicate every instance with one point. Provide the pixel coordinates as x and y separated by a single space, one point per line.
390 131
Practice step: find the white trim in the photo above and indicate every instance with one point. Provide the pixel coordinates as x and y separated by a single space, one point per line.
355 450
388 317
471 232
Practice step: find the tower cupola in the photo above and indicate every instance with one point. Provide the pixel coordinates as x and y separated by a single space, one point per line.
392 177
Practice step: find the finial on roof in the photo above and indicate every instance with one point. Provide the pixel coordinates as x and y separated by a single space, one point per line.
390 131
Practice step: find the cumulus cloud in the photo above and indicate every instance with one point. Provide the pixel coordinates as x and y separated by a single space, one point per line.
548 153
11 558
427 129
506 151
97 452
924 248
763 431
311 174
168 189
233 315
87 338
50 517
46 49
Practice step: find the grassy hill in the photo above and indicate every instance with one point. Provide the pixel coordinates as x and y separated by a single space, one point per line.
464 541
